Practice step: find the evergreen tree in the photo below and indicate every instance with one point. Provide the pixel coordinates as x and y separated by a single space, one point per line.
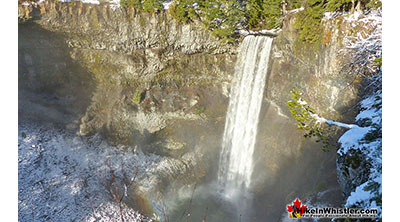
340 5
272 13
152 6
253 13
374 4
308 120
137 4
184 10
293 4
308 22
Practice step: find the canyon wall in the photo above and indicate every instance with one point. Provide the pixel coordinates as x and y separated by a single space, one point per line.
144 79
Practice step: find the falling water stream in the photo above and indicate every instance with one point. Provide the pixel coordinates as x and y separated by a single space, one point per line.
236 158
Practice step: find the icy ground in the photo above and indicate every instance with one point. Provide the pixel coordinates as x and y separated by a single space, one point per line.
58 176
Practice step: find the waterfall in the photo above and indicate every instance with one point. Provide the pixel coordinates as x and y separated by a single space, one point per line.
247 89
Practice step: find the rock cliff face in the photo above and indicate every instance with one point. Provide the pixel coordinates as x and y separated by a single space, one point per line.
320 71
147 80
166 64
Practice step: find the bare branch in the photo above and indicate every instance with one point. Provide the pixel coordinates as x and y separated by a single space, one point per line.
205 215
190 204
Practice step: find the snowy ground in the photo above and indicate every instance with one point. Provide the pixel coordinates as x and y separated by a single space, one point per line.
368 137
369 141
58 176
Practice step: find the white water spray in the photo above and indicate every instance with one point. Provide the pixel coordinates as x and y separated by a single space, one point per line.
247 89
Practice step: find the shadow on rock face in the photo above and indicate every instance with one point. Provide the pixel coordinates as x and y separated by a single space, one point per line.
52 88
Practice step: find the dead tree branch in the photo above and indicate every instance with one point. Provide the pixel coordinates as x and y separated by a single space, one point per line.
112 186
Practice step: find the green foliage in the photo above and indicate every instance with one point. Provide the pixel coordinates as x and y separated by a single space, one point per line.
199 110
339 5
374 4
374 187
347 5
183 10
293 4
224 17
136 96
378 61
152 6
220 17
306 118
263 13
272 13
145 5
178 12
308 22
23 135
137 4
253 13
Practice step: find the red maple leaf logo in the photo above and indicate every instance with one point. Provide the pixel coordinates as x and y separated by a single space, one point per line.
296 209
297 203
289 208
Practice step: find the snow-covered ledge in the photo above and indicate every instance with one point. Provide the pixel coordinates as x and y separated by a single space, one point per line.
267 32
295 10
